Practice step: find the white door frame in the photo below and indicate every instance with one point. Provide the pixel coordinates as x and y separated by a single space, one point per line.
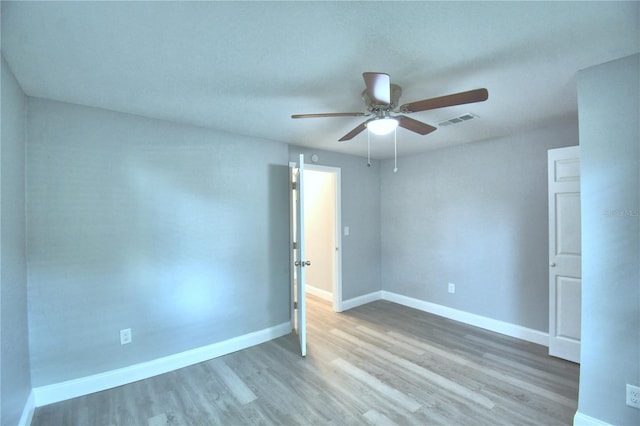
292 257
337 278
296 226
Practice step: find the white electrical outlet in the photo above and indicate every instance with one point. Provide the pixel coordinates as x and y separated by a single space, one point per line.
633 396
452 288
125 336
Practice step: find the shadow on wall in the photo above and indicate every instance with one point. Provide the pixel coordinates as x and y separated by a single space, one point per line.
278 249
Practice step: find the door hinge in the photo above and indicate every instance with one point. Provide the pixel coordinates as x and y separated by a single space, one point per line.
295 245
294 185
295 305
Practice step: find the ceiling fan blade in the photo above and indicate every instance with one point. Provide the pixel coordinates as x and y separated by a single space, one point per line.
378 87
414 125
330 114
469 97
354 132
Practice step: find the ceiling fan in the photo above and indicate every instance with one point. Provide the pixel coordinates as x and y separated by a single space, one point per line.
381 99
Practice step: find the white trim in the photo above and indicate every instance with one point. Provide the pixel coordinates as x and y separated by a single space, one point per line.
581 419
318 292
508 329
85 385
513 330
361 300
292 270
28 411
337 289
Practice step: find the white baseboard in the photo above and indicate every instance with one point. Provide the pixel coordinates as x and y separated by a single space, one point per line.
513 330
29 409
318 292
508 329
361 300
98 382
581 419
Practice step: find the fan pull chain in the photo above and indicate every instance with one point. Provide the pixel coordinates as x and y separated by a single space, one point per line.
368 148
395 151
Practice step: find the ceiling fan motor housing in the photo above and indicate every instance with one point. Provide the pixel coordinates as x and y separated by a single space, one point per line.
396 92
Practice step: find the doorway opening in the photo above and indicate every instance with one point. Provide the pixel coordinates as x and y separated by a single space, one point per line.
323 240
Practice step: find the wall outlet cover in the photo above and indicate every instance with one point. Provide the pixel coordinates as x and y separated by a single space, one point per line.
633 396
125 336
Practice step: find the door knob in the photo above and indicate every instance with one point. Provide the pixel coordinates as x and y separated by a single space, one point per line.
552 264
302 263
307 263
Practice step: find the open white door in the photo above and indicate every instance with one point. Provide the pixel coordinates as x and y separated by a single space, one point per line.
565 253
298 259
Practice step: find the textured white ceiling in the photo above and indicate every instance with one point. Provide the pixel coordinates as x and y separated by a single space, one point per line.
245 67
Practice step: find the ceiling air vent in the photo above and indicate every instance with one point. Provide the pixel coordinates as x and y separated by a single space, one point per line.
456 120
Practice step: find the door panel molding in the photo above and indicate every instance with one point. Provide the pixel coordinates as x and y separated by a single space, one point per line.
565 253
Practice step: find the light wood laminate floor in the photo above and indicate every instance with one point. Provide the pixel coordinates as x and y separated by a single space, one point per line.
380 364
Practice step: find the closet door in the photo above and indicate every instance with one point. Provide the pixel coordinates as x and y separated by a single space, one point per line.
565 253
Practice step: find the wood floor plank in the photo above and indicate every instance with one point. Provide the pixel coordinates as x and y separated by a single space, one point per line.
390 341
238 388
378 364
428 348
376 418
377 385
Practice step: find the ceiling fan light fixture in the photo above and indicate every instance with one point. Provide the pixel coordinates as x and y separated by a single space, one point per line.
382 126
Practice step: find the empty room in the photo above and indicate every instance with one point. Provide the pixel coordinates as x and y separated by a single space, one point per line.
380 213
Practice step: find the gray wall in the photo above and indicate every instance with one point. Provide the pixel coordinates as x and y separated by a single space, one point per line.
360 193
179 233
474 215
609 107
14 353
